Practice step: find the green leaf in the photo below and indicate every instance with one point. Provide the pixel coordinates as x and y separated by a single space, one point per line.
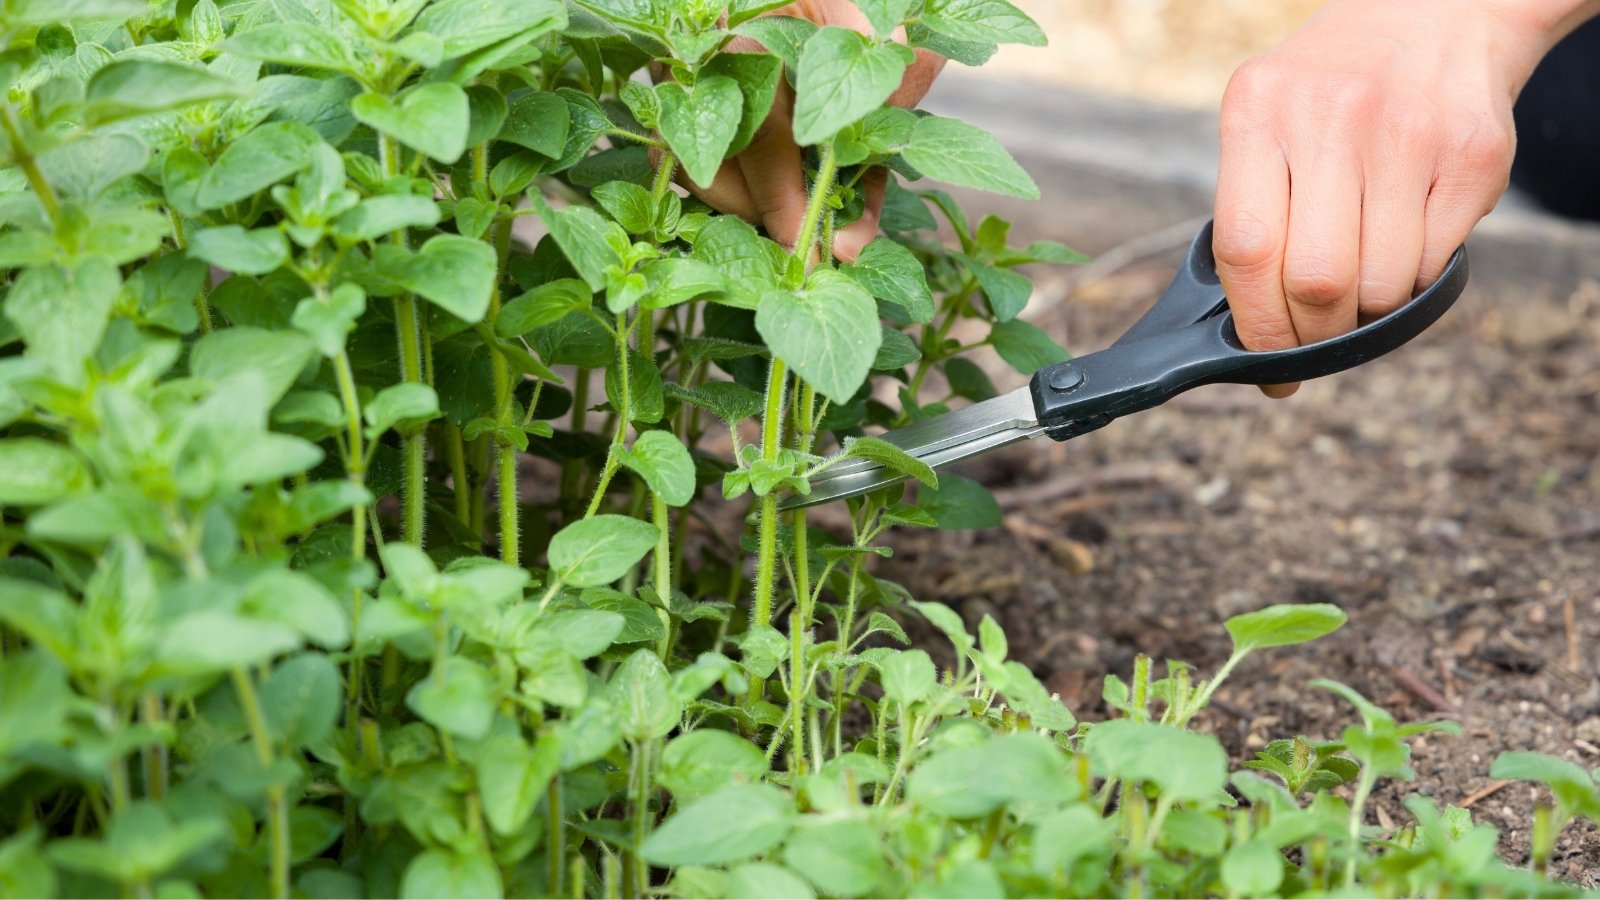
43 615
884 15
706 760
582 633
458 696
599 550
829 337
85 167
953 151
536 120
277 357
329 322
730 402
1184 765
966 782
467 25
843 858
735 823
758 75
294 44
512 778
700 124
35 471
409 404
664 464
62 313
300 602
1062 838
35 701
765 881
782 36
960 503
983 21
732 247
1252 869
134 87
545 304
377 216
429 118
893 274
843 75
641 696
263 157
57 12
896 351
640 621
1025 346
585 237
891 457
908 677
445 874
252 251
646 400
968 380
678 279
1006 291
1282 625
301 699
212 640
455 273
628 203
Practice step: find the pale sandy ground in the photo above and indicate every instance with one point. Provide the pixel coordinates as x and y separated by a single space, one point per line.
1173 51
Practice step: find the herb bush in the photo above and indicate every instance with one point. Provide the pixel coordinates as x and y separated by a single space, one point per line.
275 621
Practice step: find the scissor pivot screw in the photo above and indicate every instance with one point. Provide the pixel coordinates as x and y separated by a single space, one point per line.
1065 378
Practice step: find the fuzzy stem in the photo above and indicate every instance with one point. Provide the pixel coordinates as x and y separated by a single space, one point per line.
408 333
277 802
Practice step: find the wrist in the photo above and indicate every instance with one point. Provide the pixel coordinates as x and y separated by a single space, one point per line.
1542 23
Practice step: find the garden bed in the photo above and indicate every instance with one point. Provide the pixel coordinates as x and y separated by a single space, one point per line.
1446 497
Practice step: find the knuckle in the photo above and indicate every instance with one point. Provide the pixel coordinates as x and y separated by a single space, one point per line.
1316 284
1255 82
1244 244
1352 97
1380 295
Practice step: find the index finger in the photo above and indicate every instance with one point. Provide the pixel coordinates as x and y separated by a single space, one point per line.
1249 236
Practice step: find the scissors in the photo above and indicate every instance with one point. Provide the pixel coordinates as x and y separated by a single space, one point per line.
1186 340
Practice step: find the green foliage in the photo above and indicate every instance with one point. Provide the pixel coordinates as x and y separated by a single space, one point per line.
333 567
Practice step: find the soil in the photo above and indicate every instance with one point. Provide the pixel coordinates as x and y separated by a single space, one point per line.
1446 497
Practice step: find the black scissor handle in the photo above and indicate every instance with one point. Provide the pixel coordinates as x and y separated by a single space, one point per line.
1187 339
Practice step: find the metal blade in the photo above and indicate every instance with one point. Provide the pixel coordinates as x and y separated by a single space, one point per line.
938 441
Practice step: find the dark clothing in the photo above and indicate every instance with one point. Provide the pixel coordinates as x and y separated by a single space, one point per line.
1558 128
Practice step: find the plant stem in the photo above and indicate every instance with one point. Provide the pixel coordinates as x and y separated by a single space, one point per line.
1358 805
30 166
663 567
456 449
663 179
767 540
356 471
155 755
556 838
510 540
409 336
277 802
639 871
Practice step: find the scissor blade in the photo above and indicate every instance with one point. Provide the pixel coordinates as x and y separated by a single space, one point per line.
938 441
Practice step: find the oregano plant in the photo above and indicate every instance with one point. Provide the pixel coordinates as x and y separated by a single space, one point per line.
390 456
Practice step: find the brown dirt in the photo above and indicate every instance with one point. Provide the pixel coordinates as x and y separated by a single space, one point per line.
1447 497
